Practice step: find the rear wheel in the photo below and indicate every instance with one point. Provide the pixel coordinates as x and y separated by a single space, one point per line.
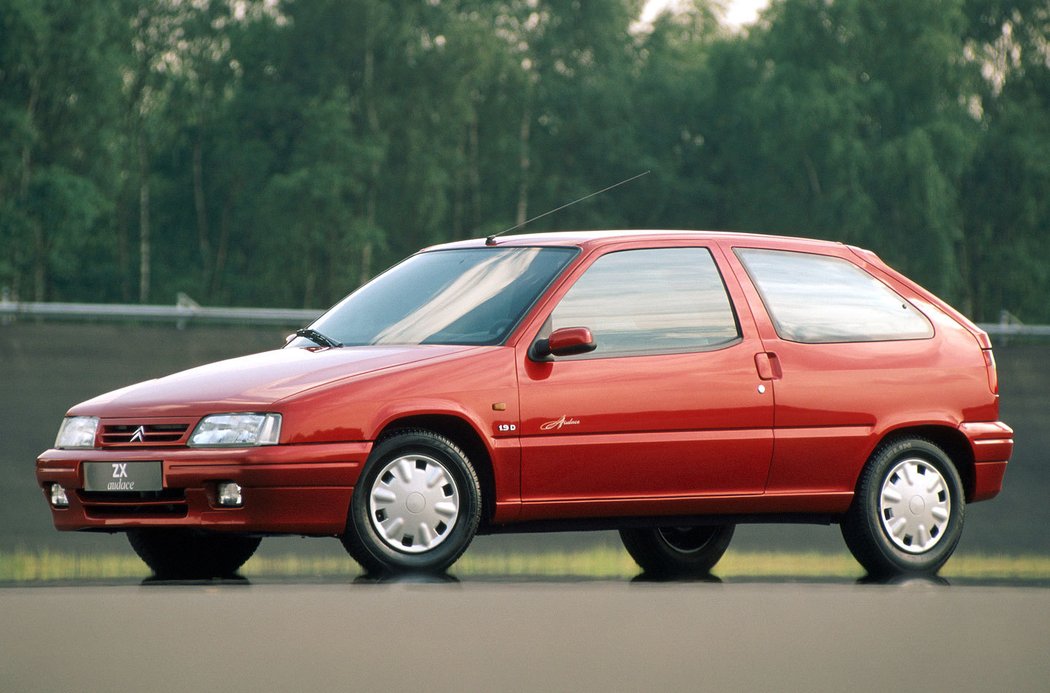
677 551
416 506
907 513
186 554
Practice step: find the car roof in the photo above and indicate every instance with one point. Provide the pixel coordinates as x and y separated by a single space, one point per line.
593 239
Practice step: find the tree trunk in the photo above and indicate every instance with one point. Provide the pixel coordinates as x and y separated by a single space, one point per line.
144 230
372 117
474 168
27 146
459 185
40 251
123 222
366 263
39 262
523 166
225 222
309 277
199 204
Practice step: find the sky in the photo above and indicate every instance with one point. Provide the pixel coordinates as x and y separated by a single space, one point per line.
738 12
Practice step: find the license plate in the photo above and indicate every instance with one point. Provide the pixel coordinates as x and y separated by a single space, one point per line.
123 477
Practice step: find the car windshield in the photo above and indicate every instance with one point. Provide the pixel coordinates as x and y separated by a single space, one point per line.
470 296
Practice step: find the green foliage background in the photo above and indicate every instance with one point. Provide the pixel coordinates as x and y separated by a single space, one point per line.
280 152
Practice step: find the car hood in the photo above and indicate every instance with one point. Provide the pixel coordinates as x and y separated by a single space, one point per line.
255 382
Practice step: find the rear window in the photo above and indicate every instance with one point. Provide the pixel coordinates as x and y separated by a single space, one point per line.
820 299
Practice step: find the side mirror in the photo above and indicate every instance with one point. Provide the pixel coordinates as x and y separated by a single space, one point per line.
568 341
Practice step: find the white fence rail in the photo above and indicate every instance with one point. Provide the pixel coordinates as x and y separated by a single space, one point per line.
997 329
186 311
183 313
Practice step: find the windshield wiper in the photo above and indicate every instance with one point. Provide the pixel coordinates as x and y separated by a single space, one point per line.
317 338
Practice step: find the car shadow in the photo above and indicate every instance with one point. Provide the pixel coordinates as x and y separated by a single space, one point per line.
167 580
906 580
642 578
409 578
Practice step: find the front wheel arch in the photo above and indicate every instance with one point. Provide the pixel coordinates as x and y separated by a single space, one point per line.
413 482
466 437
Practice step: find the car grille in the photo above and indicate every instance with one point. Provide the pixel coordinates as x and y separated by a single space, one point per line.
147 435
167 503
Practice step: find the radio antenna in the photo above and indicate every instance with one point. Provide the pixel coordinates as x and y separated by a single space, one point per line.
491 240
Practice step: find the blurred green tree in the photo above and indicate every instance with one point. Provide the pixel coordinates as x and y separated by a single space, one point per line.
59 109
1006 205
281 153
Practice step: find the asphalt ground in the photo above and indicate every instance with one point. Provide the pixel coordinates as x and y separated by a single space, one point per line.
483 634
513 636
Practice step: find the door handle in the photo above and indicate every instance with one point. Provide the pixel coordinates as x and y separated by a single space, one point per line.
768 365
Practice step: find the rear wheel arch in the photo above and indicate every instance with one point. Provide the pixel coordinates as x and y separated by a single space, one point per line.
908 511
466 437
951 440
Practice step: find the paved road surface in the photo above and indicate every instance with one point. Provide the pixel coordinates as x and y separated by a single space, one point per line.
478 636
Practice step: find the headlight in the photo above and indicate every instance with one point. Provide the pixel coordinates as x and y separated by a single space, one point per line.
237 430
77 432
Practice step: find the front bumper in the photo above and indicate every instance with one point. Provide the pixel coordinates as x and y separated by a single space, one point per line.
287 489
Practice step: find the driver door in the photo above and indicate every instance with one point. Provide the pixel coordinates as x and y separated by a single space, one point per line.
668 406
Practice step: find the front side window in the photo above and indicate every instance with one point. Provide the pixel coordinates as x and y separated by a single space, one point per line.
471 296
819 299
663 300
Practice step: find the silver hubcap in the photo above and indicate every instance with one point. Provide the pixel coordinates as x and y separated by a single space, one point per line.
914 505
414 503
686 539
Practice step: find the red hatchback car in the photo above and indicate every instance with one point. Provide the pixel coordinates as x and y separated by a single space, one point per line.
666 384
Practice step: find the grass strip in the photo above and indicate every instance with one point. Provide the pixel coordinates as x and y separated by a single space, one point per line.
594 563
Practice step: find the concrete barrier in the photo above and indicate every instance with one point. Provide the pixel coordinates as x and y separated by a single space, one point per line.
46 367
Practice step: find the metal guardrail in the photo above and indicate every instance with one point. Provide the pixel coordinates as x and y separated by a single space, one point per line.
1010 326
187 311
183 313
996 329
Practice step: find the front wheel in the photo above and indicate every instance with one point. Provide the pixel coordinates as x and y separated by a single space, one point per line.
907 513
186 554
677 551
416 506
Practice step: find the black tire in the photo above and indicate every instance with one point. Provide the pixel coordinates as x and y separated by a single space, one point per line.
677 552
187 554
898 526
429 538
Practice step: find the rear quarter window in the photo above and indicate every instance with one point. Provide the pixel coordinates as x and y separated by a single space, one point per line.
821 299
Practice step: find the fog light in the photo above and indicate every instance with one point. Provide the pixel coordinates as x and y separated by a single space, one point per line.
230 495
59 499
